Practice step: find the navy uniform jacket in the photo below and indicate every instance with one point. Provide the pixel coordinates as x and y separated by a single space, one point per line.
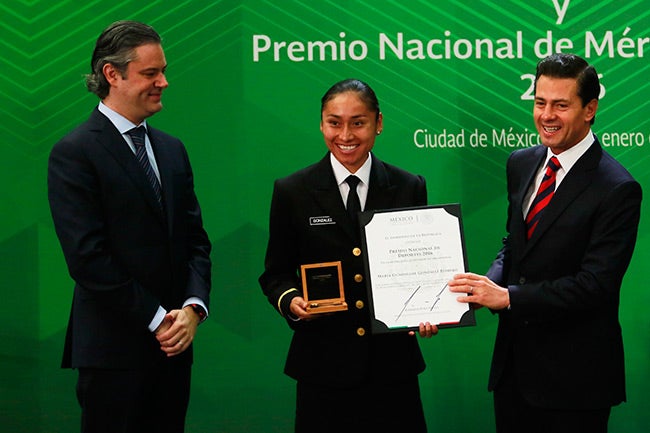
125 255
337 349
563 332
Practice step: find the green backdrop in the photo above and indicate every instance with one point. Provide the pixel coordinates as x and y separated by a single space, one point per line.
246 77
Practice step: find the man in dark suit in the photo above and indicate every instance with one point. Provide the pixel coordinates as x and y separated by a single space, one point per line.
131 231
347 378
558 358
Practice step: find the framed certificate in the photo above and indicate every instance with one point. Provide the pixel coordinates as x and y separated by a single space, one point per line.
322 287
411 254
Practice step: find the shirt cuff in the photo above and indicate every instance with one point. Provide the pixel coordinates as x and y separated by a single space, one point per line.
157 319
197 301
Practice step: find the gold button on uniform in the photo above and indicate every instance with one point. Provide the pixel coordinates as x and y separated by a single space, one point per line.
359 304
356 251
361 332
358 278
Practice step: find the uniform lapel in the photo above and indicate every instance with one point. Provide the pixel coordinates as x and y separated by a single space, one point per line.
325 193
381 194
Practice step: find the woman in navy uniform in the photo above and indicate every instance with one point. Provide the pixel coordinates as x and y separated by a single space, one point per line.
346 376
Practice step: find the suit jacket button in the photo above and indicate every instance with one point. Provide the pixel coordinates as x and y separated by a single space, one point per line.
356 251
358 278
361 332
522 280
359 304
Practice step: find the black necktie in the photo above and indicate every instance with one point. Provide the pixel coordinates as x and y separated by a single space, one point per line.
137 135
353 205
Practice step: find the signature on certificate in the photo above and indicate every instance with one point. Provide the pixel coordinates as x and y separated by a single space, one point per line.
406 304
408 301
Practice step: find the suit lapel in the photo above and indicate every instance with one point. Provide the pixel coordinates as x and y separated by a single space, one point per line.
109 137
529 168
577 179
164 162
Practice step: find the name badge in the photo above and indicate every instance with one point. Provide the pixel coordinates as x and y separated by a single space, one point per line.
321 220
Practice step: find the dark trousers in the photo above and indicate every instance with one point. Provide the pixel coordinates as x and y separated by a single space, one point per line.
372 408
514 414
152 399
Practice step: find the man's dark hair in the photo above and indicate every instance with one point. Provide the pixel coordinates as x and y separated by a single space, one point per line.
116 45
562 65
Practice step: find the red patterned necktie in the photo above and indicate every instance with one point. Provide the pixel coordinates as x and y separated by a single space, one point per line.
543 197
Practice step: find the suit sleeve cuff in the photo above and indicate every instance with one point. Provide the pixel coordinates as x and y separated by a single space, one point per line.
285 301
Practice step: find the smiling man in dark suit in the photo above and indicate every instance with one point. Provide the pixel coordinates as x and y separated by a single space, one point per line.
573 217
131 231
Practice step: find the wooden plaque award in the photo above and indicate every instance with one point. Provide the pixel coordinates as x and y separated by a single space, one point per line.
322 286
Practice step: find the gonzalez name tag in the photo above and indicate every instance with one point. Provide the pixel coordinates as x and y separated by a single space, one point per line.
321 220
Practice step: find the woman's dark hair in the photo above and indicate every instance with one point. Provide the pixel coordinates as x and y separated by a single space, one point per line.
365 92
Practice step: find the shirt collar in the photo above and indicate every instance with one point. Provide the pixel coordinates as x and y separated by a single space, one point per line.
570 156
341 173
121 123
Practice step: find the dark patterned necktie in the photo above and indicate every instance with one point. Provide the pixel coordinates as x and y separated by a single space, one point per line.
137 135
353 205
543 197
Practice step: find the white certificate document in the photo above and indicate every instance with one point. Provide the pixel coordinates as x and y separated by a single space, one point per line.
411 254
